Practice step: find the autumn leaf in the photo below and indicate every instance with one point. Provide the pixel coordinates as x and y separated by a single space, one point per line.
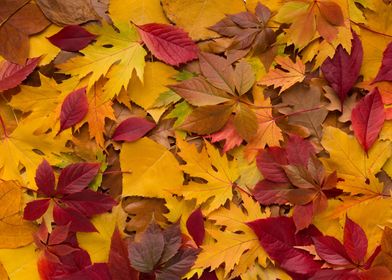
168 43
11 74
19 20
216 170
72 38
73 109
132 129
291 74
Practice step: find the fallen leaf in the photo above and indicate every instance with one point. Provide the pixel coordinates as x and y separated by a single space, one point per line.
168 43
68 13
73 109
132 129
72 38
12 75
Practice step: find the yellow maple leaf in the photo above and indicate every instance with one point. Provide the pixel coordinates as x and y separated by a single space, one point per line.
136 11
196 16
97 244
20 146
14 231
115 55
237 246
209 165
150 170
352 164
294 73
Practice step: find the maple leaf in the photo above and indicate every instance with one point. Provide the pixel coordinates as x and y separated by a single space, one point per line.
19 147
144 160
72 202
384 257
112 55
168 43
14 231
216 170
195 17
310 16
237 240
12 74
293 73
19 20
72 38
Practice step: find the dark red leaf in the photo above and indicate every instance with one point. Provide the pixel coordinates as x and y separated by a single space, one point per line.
267 192
303 215
76 177
342 71
73 109
168 43
44 178
77 221
89 203
299 150
12 74
355 241
330 274
97 271
132 129
331 250
278 238
119 264
269 162
195 226
367 119
72 38
35 209
385 72
58 235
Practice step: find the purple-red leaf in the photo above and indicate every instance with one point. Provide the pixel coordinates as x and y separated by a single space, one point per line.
89 203
119 264
195 226
35 209
355 241
385 72
132 129
73 109
342 71
77 221
72 38
269 162
168 43
331 250
278 238
367 119
12 74
76 177
299 150
44 178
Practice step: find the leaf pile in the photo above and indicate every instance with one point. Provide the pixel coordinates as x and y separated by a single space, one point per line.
212 140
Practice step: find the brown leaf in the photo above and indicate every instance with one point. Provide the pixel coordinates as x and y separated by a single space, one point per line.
142 211
245 122
207 119
19 19
68 12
